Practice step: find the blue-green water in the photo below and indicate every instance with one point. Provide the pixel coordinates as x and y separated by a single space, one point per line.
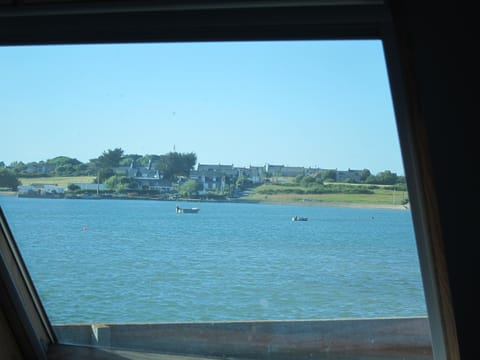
139 261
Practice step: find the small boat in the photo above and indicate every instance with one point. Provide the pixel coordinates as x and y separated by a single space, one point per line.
299 218
180 210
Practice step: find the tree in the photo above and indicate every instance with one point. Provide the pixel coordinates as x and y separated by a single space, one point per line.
383 178
189 187
387 177
105 162
148 159
82 169
319 179
176 164
118 182
102 175
299 178
328 175
110 158
307 181
8 179
128 159
63 165
18 167
365 173
63 161
372 179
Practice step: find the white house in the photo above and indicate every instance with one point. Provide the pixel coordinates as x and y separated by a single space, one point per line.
41 190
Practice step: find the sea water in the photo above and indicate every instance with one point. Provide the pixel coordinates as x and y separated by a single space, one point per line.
120 261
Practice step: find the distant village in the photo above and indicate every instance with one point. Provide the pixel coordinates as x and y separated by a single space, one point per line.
209 179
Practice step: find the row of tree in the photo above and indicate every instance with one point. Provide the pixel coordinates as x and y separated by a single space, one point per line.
171 165
366 177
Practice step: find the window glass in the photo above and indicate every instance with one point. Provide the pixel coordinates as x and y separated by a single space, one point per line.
159 183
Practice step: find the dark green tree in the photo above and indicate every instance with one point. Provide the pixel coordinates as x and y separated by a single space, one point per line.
82 169
387 178
148 159
8 179
104 163
18 167
372 179
129 158
307 181
109 158
176 164
62 165
365 174
62 161
328 175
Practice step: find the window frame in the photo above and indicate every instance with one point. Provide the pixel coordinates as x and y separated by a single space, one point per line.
22 306
160 21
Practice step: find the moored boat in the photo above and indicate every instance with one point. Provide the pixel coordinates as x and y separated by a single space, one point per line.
180 210
299 218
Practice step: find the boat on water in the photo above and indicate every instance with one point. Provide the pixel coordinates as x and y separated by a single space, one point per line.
180 210
299 218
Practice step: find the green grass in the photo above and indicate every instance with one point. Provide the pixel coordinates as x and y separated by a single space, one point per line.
61 181
380 197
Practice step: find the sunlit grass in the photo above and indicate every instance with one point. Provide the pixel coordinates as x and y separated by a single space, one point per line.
61 181
381 196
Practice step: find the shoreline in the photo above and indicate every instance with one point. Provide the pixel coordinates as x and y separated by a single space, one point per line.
338 204
237 201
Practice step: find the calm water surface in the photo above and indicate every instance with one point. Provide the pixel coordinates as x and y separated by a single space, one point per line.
139 261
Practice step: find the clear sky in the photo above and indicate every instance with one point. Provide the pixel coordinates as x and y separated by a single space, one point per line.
311 103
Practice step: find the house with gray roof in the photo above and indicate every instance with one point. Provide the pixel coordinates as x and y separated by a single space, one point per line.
145 177
282 170
349 175
213 177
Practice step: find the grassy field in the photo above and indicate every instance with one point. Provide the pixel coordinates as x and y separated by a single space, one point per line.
381 196
59 181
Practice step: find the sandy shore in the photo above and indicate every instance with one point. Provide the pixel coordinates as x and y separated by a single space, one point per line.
336 204
8 193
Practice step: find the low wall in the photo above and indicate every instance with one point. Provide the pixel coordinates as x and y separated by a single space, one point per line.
392 337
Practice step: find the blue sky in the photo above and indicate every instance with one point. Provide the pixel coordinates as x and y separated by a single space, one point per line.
309 103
